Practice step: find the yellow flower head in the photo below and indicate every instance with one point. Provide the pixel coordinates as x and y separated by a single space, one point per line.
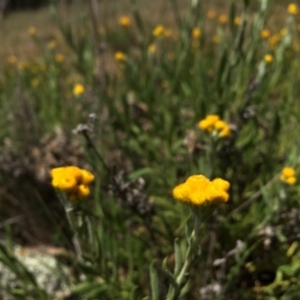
32 31
265 34
211 14
288 175
268 58
73 181
59 58
151 48
78 89
208 123
168 32
125 21
216 39
292 9
198 190
223 128
52 44
212 123
274 40
120 56
11 59
223 19
35 82
237 21
158 31
196 33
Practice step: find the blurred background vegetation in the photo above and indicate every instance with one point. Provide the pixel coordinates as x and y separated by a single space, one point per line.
80 87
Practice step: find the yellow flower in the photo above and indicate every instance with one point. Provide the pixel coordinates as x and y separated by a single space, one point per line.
125 21
158 31
196 33
11 59
168 32
223 19
223 128
274 40
292 9
198 190
120 56
237 21
151 48
211 14
59 58
288 175
22 65
216 39
212 123
78 89
73 181
35 82
265 34
208 123
32 31
268 58
52 44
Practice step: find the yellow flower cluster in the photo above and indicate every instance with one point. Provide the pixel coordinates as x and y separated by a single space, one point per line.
196 33
265 34
292 9
198 190
158 31
78 89
288 175
125 21
213 124
32 31
120 56
268 58
73 181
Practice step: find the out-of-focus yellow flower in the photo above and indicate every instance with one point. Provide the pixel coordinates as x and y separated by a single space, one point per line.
223 128
208 123
125 21
168 32
22 65
211 14
288 175
32 31
151 48
274 40
196 33
158 31
268 58
265 34
120 56
78 89
11 59
292 9
223 19
283 32
198 190
59 58
214 125
73 181
52 44
216 39
237 21
35 82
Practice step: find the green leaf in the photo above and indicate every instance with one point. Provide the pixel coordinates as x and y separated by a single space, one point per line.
154 282
178 257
